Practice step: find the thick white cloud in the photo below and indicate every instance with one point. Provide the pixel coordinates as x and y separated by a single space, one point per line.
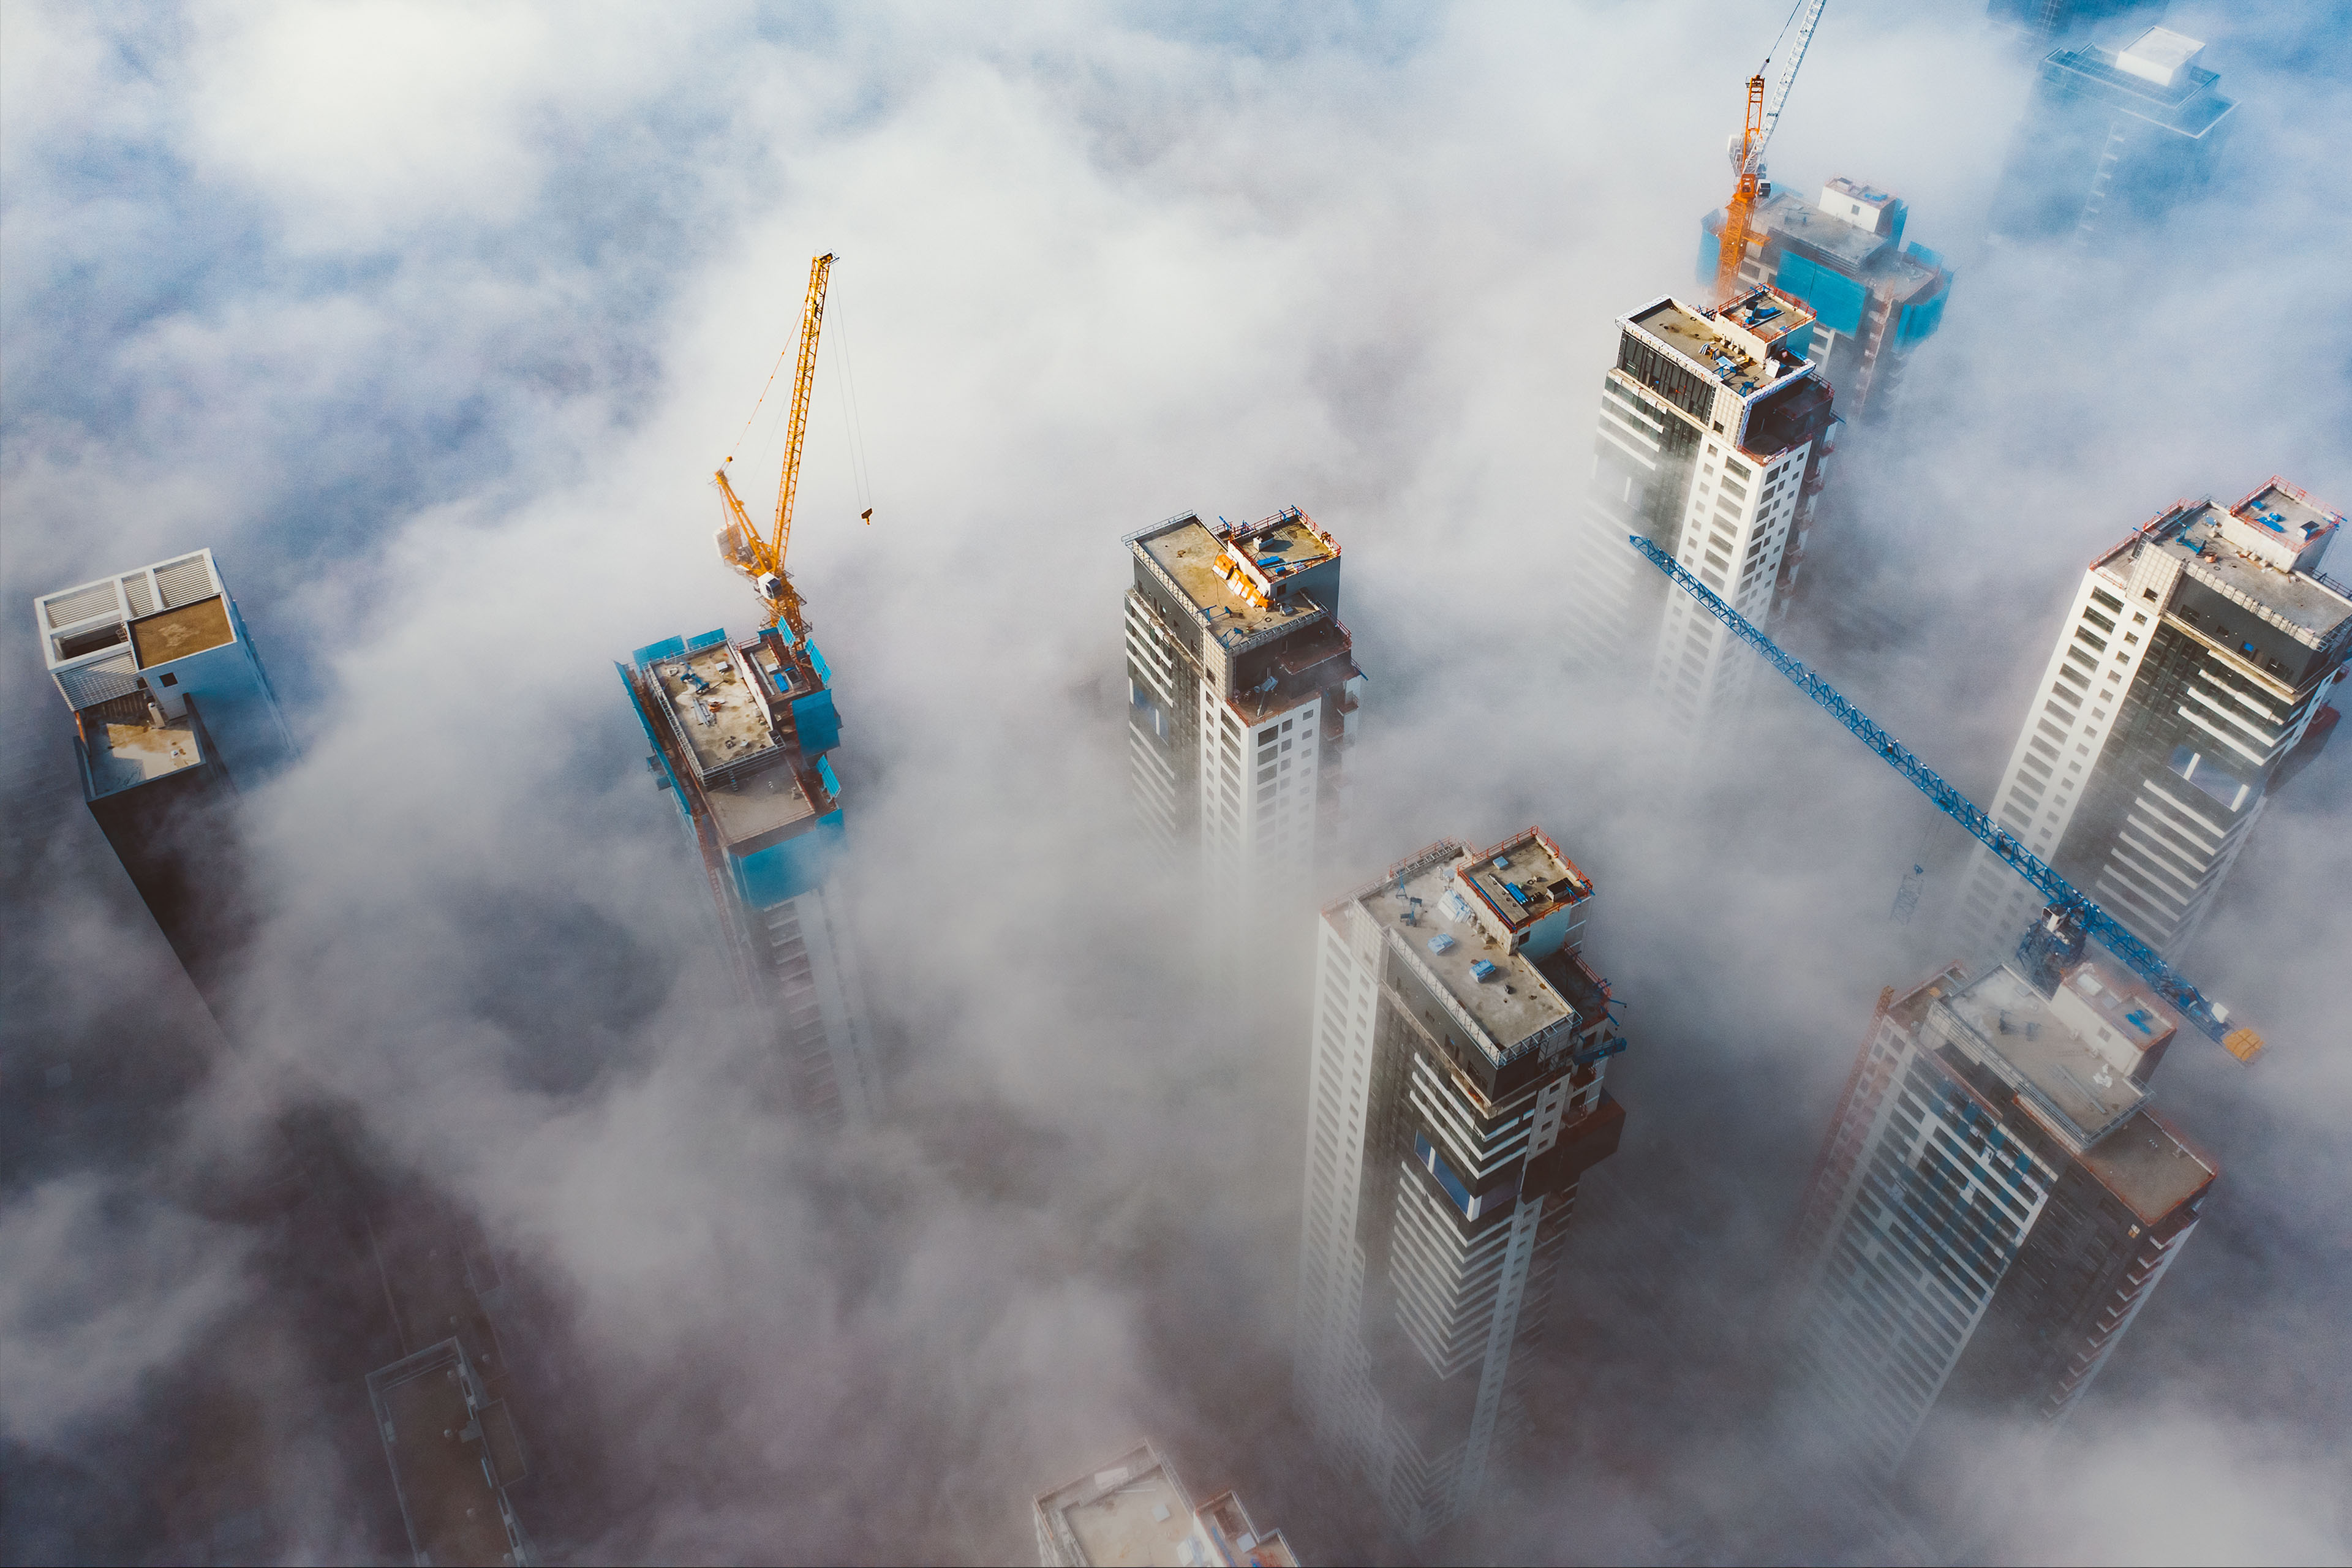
434 321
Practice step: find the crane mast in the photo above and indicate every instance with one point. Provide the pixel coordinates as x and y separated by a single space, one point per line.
1763 117
2071 915
760 558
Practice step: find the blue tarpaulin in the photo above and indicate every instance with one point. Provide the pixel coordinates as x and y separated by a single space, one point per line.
1838 301
669 647
787 870
1921 318
818 725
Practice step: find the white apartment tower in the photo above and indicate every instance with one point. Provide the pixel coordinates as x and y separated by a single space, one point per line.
1994 1205
2187 683
1242 689
1455 1100
1713 445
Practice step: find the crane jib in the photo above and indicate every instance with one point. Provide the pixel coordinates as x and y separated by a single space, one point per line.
2095 923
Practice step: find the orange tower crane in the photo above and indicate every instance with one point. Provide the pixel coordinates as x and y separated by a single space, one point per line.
760 558
1747 152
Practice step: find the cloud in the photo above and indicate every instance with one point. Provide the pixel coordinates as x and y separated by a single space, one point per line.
433 321
102 1286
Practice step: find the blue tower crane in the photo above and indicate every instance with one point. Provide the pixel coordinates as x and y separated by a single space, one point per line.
2071 915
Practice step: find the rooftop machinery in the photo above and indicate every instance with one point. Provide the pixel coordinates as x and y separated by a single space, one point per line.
1748 150
758 558
2071 915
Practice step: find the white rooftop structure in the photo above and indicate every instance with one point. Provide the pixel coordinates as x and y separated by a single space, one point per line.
2160 54
1134 1510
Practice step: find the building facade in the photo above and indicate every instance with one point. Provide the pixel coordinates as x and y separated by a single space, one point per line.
740 730
173 716
1135 1510
1242 691
2111 140
1713 444
1874 297
2188 679
1455 1100
1995 1202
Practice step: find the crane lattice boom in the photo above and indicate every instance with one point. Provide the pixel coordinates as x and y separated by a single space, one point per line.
2066 900
740 545
1762 119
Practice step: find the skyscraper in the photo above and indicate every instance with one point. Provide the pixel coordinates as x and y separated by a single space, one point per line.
1994 1203
1135 1511
1456 1102
1713 444
740 730
1874 297
173 714
453 1454
2185 682
2111 140
2046 22
1242 689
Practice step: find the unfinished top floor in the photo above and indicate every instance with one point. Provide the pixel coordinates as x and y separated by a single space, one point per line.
2256 562
1492 936
2000 1020
1747 344
129 740
734 706
1738 372
1243 585
1836 232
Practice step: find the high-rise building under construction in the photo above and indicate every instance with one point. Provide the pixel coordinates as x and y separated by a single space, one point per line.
173 714
2187 683
1875 296
1456 1102
740 729
1995 1202
1242 691
1713 444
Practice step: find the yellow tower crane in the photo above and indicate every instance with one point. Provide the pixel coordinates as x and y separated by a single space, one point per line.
1748 150
760 558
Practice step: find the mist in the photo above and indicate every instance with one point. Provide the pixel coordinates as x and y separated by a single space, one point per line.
432 321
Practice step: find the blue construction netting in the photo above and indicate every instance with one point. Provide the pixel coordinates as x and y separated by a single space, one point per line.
794 867
659 758
696 645
818 726
669 647
1837 302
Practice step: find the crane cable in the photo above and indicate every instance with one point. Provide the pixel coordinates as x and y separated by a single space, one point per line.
757 402
853 427
1782 34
